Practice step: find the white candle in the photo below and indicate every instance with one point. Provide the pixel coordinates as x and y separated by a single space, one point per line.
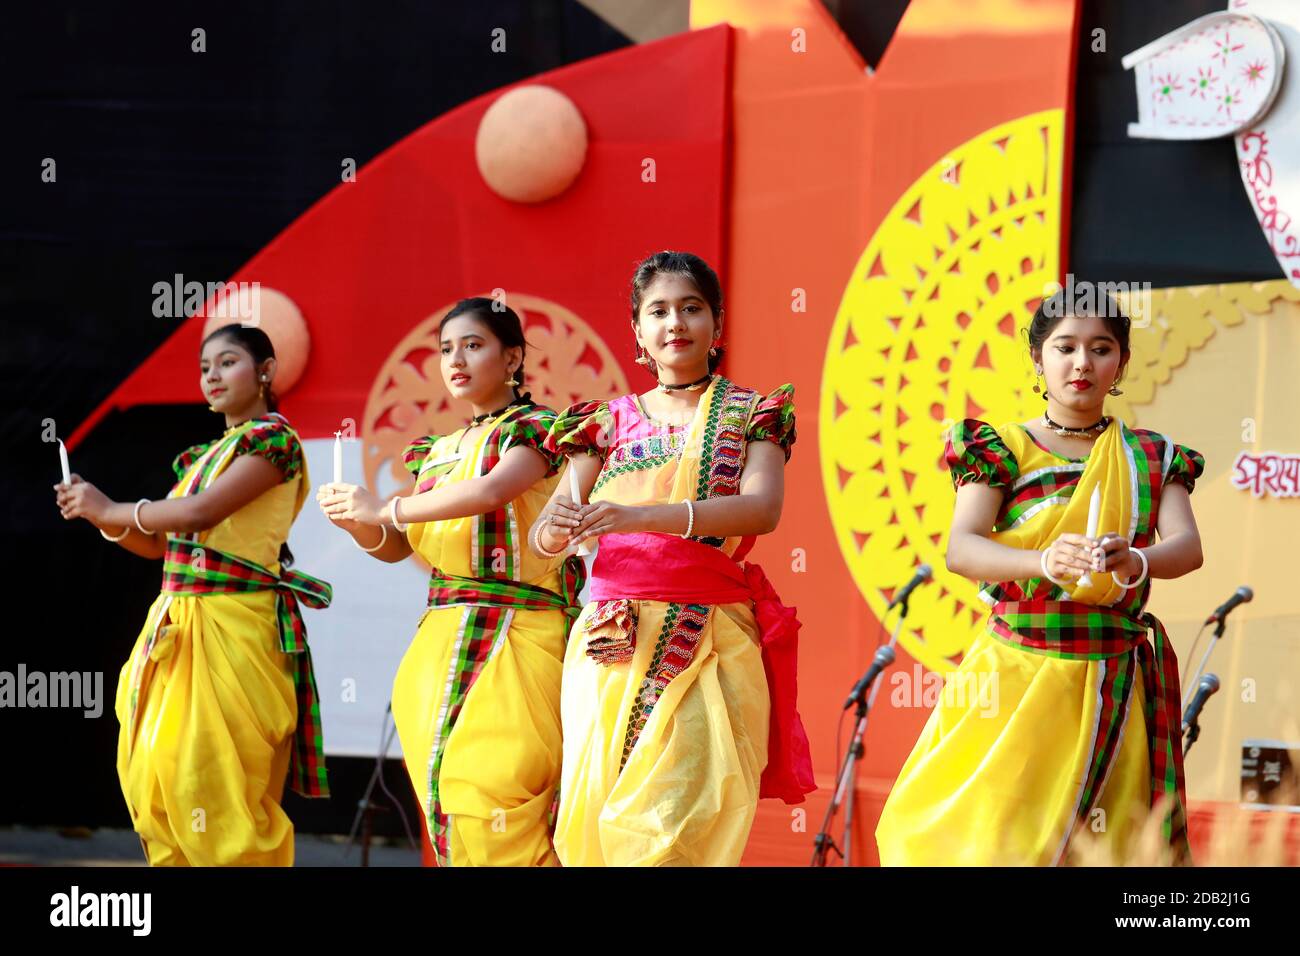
575 493
338 458
63 460
1094 519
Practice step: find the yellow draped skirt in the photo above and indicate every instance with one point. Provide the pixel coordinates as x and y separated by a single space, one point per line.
204 769
501 758
688 793
995 779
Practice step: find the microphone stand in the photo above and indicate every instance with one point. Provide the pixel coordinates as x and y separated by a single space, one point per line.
823 843
1205 659
1193 730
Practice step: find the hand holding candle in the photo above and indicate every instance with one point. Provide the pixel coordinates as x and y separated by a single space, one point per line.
338 458
575 492
1094 519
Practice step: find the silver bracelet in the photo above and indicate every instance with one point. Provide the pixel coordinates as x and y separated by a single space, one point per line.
108 537
541 548
383 537
392 514
690 517
142 501
1042 563
1141 577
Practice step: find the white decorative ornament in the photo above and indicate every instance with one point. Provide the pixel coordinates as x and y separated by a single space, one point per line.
1215 76
1269 152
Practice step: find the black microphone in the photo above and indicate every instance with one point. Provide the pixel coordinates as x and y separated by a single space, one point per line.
1240 596
1209 685
884 657
923 574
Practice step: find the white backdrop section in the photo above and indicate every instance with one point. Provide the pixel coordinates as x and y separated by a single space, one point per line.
357 642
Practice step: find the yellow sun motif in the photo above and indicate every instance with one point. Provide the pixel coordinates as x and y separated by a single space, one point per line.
930 331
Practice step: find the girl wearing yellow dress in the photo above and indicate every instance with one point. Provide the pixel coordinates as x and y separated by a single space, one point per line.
217 702
678 701
1085 731
476 699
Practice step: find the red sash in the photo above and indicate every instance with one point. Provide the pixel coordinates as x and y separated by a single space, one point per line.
660 567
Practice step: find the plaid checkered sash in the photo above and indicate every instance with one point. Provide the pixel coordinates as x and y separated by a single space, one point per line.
489 599
450 590
195 570
1077 631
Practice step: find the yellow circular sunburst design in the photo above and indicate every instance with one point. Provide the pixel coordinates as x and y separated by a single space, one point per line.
929 332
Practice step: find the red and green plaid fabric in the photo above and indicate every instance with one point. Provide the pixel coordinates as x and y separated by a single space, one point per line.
450 590
269 436
974 451
484 626
192 569
580 428
1075 631
482 630
195 570
490 597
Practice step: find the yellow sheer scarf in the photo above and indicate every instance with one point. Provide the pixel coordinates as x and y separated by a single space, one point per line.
1110 468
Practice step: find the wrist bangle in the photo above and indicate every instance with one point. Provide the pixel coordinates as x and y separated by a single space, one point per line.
107 537
138 504
1141 577
1042 563
690 517
537 542
392 514
383 537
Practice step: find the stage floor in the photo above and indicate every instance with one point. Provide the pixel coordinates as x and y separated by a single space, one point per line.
23 846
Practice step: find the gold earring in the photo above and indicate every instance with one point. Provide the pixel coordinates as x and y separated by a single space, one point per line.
712 350
643 357
512 380
1116 390
1037 372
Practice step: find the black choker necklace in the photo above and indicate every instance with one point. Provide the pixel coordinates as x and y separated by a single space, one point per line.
517 400
1090 431
689 386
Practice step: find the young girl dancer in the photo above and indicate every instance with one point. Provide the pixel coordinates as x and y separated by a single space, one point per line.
670 721
218 699
476 699
1086 731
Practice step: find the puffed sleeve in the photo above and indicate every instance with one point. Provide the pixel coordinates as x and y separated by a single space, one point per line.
277 443
188 457
584 427
1185 467
974 451
413 455
531 430
773 420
